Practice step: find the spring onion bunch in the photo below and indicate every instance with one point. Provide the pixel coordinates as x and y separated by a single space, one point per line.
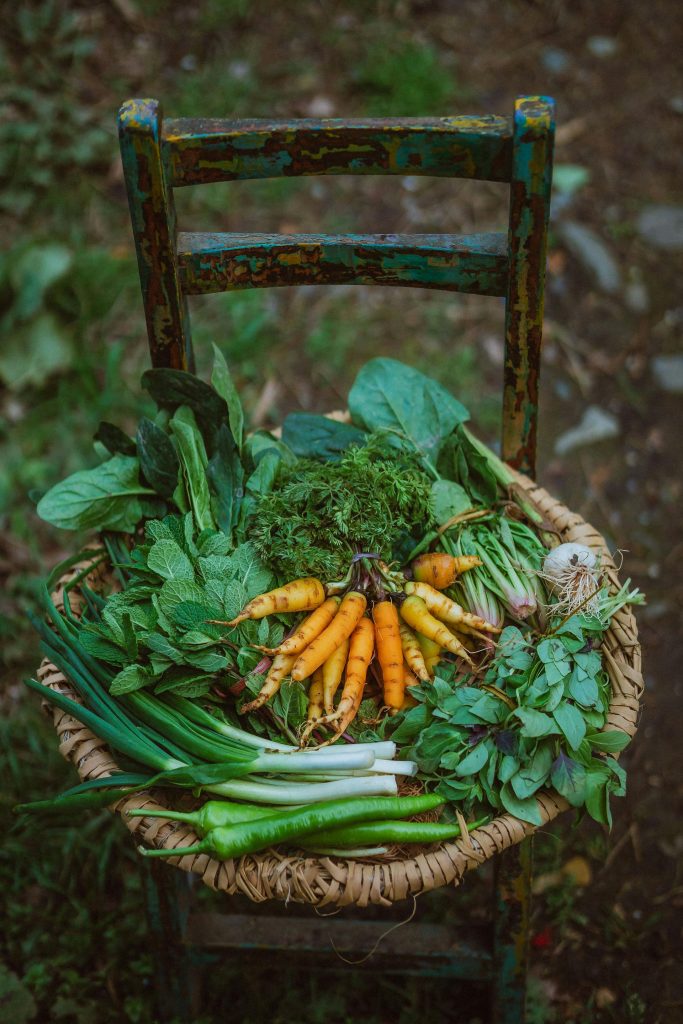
183 744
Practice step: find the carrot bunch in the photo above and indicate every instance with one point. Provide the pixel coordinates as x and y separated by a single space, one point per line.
407 624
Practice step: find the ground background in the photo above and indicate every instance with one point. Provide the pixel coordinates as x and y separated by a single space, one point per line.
73 943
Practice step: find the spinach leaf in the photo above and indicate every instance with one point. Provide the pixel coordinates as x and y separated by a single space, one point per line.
223 384
317 437
448 499
104 498
158 459
388 395
194 462
226 476
173 388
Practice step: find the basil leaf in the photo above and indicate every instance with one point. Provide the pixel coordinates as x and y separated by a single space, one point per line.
412 724
534 723
104 498
524 808
158 459
610 742
474 761
569 779
223 384
584 691
570 721
389 395
317 437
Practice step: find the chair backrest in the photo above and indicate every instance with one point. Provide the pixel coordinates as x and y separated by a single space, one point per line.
159 156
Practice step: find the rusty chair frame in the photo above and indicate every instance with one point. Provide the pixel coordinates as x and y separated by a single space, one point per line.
161 155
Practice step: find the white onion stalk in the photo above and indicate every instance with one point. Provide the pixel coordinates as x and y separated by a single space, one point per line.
573 572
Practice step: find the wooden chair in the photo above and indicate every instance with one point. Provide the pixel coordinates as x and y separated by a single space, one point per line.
159 156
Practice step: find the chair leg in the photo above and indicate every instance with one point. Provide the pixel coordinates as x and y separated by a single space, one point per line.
511 934
176 977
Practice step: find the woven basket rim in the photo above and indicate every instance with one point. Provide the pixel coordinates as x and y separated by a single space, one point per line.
325 881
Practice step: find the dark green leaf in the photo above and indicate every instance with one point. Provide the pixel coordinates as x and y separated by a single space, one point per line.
474 761
571 723
460 461
158 459
447 500
173 388
389 395
223 384
129 679
412 724
569 779
194 463
114 439
317 437
527 809
226 476
104 498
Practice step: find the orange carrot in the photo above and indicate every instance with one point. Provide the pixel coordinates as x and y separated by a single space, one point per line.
279 668
342 626
412 653
440 569
332 671
361 649
389 652
298 596
417 614
307 630
446 610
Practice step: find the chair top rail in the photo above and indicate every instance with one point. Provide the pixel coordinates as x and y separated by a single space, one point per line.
199 151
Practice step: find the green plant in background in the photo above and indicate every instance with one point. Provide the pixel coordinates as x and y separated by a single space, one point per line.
403 78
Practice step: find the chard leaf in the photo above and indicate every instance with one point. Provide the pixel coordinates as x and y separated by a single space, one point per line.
569 779
570 721
158 459
167 559
104 498
389 395
448 499
223 384
317 437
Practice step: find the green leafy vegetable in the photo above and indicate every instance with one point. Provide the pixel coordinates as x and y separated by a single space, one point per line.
318 437
107 497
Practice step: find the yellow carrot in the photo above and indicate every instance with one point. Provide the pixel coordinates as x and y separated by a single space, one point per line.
280 667
417 614
431 652
333 670
408 680
445 609
298 596
315 697
361 650
389 652
440 569
307 630
342 626
412 653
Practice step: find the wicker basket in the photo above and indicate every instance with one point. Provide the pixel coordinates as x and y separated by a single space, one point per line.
330 880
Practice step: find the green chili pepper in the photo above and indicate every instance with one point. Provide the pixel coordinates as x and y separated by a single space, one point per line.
251 836
214 814
373 833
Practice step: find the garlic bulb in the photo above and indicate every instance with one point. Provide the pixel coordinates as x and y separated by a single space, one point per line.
573 572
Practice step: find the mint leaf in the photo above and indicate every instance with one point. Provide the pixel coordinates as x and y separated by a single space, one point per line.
168 560
129 679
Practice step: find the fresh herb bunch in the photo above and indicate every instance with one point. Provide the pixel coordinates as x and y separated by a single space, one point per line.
319 515
154 630
535 722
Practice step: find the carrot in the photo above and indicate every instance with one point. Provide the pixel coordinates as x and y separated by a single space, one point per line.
298 596
342 626
361 650
389 652
315 697
280 667
440 569
417 614
333 670
446 610
307 630
412 653
431 652
408 680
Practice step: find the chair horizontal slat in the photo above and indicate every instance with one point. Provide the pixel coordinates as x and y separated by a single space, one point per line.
224 262
201 151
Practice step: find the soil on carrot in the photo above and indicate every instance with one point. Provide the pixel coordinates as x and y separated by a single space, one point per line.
606 926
